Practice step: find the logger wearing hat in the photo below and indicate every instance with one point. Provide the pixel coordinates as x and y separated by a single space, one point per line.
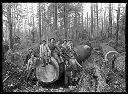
44 52
55 50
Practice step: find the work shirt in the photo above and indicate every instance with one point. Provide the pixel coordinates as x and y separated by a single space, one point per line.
53 47
70 45
44 49
64 45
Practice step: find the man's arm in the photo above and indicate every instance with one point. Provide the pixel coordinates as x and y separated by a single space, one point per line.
57 48
48 49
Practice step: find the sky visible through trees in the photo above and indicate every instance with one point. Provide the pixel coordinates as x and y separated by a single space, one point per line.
86 8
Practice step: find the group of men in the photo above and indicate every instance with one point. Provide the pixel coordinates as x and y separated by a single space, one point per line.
47 50
51 49
54 49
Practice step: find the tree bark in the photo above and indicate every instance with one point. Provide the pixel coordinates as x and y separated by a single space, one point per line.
87 21
65 20
13 19
94 19
10 26
43 24
39 22
75 21
110 20
104 21
102 27
82 18
117 29
97 15
55 16
33 25
91 19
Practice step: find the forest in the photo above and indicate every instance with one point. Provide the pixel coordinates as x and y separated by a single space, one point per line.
98 25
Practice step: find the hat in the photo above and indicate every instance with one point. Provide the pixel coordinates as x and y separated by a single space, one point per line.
69 39
65 40
52 38
30 50
44 41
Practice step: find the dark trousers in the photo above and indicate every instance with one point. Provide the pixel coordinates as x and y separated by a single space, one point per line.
30 73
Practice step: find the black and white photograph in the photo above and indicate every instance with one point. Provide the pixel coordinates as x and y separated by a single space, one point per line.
63 47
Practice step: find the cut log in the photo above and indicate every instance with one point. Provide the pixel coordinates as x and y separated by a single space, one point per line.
50 73
53 71
83 53
108 52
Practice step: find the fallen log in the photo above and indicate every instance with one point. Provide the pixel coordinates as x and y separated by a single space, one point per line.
83 53
108 52
54 70
50 73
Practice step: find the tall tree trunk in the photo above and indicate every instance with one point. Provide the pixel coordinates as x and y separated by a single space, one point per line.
45 32
42 21
13 19
102 27
77 34
10 25
87 21
55 16
75 22
33 28
39 22
65 20
110 20
105 21
82 17
97 15
117 29
91 20
101 32
94 19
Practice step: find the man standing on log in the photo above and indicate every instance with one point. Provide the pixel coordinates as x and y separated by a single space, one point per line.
64 45
44 52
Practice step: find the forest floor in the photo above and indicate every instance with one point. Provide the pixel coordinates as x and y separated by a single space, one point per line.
92 68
